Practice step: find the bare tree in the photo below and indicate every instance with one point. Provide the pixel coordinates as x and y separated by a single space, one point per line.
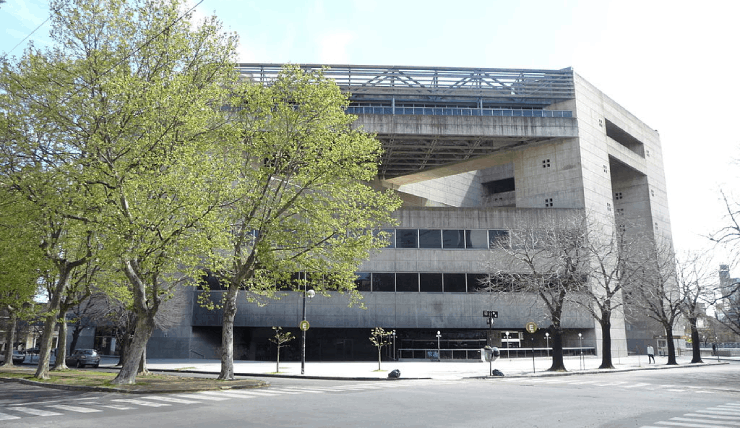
612 262
547 259
653 292
697 282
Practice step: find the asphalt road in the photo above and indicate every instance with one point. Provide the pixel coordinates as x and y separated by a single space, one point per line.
706 396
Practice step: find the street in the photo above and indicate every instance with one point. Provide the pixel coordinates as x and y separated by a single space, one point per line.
701 396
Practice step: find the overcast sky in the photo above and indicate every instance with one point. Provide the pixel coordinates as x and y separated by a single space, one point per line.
674 64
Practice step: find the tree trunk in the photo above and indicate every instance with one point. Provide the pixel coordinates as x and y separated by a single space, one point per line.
142 364
558 364
10 338
60 363
75 336
606 342
695 342
227 334
142 332
50 322
379 358
671 346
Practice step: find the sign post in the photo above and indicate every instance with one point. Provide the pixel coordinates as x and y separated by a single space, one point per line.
531 329
491 315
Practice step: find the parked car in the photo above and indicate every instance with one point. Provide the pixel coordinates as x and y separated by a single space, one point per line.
18 357
82 358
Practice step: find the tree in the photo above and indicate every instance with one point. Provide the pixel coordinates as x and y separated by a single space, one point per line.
612 263
696 280
548 260
299 192
653 291
280 339
127 105
80 288
20 261
380 338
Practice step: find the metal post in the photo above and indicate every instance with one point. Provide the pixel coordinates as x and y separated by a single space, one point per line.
439 356
508 355
547 341
303 341
394 345
582 361
490 331
533 369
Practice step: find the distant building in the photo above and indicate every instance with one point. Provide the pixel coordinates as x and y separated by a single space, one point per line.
730 288
470 150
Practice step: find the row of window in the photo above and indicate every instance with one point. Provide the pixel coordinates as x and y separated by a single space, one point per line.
448 239
422 282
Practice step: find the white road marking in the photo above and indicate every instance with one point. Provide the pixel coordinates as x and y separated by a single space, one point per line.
74 408
6 417
140 402
35 412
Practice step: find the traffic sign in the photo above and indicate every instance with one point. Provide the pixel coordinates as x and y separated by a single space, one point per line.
490 314
303 325
530 327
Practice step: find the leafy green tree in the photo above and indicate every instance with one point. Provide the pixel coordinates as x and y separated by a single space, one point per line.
301 199
280 339
126 110
380 338
20 260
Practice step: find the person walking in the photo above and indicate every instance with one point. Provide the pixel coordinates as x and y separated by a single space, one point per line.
651 354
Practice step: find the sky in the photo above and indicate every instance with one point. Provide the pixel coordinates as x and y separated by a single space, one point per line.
673 64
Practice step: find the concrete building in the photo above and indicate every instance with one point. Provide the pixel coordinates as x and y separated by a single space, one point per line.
470 151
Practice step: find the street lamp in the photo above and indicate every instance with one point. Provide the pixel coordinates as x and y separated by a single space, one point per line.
393 333
304 327
547 341
439 336
508 356
583 362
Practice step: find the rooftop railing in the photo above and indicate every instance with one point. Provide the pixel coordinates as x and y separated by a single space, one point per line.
464 111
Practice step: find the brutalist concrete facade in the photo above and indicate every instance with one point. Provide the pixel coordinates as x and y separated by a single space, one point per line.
470 151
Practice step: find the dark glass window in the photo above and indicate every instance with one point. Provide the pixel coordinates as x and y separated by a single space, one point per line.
476 239
430 238
498 237
406 238
431 282
407 282
362 282
384 282
454 282
476 281
453 238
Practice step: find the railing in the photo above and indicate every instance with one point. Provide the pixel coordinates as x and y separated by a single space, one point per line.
475 354
444 111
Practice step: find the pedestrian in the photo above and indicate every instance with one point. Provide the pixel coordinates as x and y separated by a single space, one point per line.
651 354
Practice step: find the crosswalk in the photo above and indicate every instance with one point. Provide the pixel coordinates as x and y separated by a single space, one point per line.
102 403
722 416
573 380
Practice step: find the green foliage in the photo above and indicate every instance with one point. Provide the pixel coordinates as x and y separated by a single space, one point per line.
301 194
379 339
281 338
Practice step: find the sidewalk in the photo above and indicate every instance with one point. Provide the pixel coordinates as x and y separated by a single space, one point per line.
415 369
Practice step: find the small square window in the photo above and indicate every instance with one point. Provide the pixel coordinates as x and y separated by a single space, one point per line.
622 228
546 163
652 192
608 206
548 202
620 211
647 152
618 195
606 170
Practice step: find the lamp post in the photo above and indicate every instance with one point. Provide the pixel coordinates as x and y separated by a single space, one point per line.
580 339
547 341
304 327
393 333
508 355
716 342
439 336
